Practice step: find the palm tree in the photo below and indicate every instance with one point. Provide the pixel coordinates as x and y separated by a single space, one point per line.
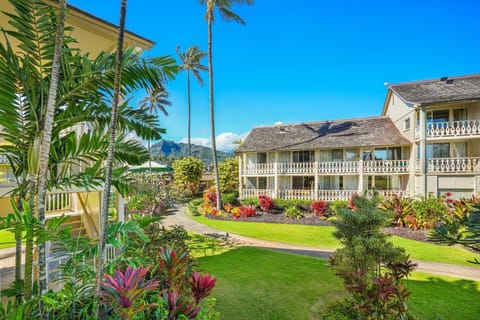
156 100
192 62
224 7
111 144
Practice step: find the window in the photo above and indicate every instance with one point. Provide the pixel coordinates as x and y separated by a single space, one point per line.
262 183
406 124
262 157
304 156
303 183
438 116
438 150
388 153
337 155
331 155
351 155
460 114
330 183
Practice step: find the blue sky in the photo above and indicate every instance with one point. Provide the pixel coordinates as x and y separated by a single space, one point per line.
302 60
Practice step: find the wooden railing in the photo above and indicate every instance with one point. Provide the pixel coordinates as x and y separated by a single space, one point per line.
454 165
57 202
453 128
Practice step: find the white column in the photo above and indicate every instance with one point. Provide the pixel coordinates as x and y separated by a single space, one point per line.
275 177
360 172
240 179
423 151
315 170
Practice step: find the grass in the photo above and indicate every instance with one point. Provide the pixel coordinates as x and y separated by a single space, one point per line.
7 239
321 237
262 284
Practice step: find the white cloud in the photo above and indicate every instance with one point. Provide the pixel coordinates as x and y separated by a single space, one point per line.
224 141
278 123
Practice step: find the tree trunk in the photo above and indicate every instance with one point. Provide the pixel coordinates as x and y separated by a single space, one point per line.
212 110
189 113
111 144
28 282
18 248
47 139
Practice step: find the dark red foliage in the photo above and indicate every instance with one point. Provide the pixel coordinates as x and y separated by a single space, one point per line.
265 202
201 285
319 208
247 211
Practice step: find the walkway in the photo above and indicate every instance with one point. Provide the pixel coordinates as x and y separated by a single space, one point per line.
178 217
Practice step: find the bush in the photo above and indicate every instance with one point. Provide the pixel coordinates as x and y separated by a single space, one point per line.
252 201
285 203
342 309
265 202
337 206
230 198
293 212
319 208
244 212
429 211
402 210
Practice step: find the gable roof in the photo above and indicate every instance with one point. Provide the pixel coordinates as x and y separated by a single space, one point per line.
443 90
374 131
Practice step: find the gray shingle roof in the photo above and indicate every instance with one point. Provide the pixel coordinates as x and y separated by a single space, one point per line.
375 131
448 89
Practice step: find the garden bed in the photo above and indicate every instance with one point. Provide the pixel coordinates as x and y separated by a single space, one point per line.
312 220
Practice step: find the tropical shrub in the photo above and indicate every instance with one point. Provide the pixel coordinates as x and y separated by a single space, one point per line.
336 206
125 291
187 174
285 203
265 203
247 211
293 212
228 175
152 194
210 201
319 208
251 201
371 267
230 198
402 210
430 210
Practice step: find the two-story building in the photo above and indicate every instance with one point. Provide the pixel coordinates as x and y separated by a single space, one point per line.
426 141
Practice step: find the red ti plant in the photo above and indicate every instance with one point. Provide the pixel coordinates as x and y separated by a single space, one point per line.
201 285
124 290
319 208
247 211
265 202
172 267
178 304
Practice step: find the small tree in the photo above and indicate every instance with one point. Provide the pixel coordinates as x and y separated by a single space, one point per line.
371 267
228 171
187 174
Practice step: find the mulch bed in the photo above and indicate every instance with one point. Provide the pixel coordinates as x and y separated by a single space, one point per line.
309 219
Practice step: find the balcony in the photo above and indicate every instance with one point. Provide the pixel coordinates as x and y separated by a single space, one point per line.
325 195
322 168
453 165
451 129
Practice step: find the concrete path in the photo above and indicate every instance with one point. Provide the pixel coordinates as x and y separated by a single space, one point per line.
178 217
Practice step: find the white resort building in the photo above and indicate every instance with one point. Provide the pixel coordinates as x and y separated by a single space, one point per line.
427 141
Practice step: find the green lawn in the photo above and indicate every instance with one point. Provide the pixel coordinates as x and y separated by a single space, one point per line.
321 237
262 284
7 239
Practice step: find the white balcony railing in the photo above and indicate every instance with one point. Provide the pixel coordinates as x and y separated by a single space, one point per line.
296 167
332 195
249 193
454 165
392 193
338 167
259 168
297 194
331 167
58 202
386 166
453 128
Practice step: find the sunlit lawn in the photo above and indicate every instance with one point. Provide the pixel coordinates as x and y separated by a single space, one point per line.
263 284
7 239
321 237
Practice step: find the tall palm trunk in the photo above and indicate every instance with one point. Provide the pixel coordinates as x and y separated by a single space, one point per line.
212 110
189 114
46 137
111 144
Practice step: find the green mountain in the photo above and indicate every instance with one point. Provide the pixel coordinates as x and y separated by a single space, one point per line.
171 149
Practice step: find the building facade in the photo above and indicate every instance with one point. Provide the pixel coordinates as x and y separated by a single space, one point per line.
425 142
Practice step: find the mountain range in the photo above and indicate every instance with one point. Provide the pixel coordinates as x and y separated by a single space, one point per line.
168 149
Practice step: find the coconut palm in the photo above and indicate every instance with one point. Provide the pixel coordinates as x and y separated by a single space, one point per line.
156 100
225 9
192 63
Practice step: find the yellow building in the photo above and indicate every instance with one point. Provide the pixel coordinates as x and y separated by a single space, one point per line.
94 35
